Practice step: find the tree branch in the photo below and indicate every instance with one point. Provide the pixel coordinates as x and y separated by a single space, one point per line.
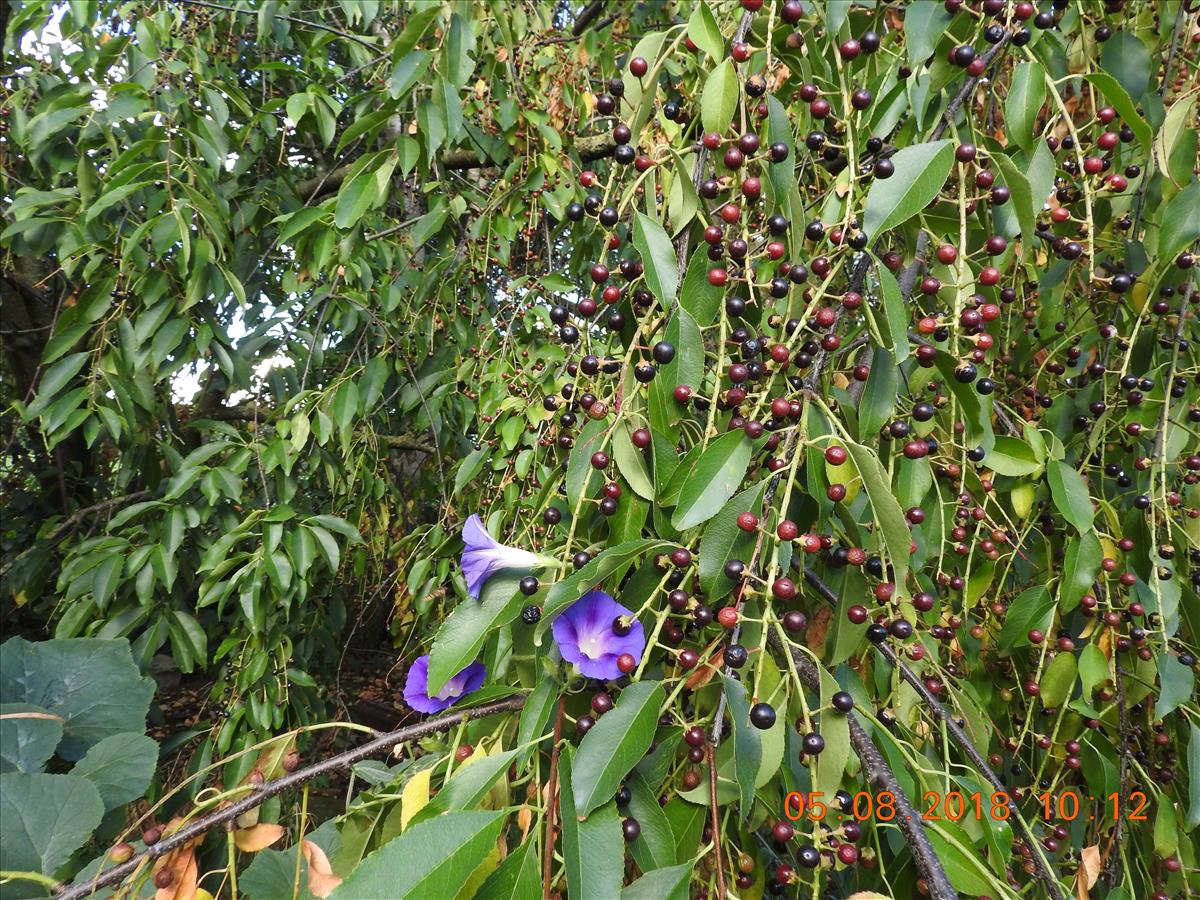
269 789
303 23
586 16
70 523
589 148
1042 870
880 775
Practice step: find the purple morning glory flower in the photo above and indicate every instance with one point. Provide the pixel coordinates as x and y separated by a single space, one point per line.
585 635
416 686
484 556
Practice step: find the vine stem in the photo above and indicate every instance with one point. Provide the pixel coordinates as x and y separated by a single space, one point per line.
722 890
268 789
552 802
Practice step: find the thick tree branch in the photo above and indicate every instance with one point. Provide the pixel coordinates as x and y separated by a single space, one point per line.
586 16
269 789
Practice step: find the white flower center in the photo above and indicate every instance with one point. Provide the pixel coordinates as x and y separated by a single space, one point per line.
591 647
448 690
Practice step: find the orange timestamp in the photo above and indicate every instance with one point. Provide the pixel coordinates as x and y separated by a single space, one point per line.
956 806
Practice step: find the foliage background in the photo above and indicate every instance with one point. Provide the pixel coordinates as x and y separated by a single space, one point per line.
278 283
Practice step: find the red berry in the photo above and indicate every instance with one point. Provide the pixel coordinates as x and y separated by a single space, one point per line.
787 530
638 66
626 663
747 521
835 456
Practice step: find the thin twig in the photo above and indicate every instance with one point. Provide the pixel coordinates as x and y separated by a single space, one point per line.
303 23
722 890
269 789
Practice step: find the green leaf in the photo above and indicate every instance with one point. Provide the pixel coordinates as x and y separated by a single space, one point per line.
1127 58
687 368
1193 768
365 190
1118 96
563 593
717 473
1174 136
702 29
1033 609
921 171
405 73
976 416
463 633
1093 669
519 877
1023 204
53 380
835 728
1080 568
889 517
593 848
468 786
1176 683
722 541
658 255
719 100
120 767
1166 829
747 744
1070 494
879 397
1026 94
434 858
924 23
44 819
1058 680
535 717
697 295
669 883
1180 226
93 684
962 864
895 321
614 745
631 462
654 848
1011 456
27 742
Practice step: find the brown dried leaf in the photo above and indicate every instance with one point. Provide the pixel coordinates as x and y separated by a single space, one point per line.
321 880
182 863
705 673
1088 872
818 628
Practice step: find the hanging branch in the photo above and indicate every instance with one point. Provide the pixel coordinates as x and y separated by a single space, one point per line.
880 776
1043 872
269 789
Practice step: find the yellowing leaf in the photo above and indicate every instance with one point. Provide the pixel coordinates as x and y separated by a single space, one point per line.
414 796
251 840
